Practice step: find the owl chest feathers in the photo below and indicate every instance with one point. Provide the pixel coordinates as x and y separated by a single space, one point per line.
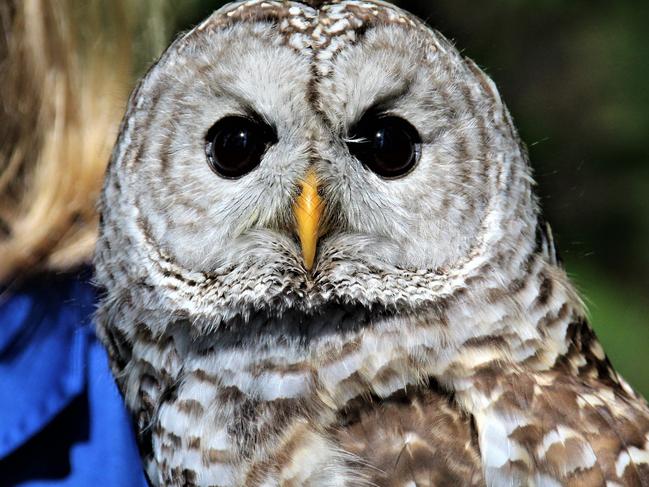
274 404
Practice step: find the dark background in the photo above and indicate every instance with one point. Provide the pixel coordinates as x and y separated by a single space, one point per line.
575 77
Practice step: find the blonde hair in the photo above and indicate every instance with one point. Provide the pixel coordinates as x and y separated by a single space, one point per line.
66 69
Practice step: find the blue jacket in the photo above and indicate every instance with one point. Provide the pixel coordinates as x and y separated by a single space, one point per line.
62 421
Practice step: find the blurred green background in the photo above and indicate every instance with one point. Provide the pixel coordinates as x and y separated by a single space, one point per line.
575 77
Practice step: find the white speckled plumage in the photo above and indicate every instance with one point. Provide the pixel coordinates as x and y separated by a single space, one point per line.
437 341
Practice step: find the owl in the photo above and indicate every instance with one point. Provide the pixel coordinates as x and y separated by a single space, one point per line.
323 264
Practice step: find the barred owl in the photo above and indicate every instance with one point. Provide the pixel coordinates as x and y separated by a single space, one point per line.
324 264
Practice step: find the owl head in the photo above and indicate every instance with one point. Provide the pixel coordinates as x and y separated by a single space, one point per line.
288 155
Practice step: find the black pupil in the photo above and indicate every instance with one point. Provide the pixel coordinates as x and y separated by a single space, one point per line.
388 145
236 145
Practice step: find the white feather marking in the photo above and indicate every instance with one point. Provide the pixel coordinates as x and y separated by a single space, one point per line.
542 480
582 458
277 386
333 374
631 455
495 446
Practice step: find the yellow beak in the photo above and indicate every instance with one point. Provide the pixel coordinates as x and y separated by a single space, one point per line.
308 212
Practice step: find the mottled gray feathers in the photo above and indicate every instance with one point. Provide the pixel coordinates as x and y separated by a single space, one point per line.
436 340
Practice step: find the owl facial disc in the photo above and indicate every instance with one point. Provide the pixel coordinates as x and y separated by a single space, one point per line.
397 169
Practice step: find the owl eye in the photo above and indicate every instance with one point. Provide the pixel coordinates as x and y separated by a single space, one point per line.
235 145
388 145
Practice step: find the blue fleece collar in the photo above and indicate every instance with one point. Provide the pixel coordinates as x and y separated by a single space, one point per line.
44 336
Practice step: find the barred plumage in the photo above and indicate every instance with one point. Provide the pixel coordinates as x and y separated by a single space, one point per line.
436 341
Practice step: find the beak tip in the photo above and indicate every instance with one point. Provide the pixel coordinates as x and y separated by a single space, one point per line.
309 260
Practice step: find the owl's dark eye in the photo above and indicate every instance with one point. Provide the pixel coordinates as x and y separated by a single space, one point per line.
235 145
388 145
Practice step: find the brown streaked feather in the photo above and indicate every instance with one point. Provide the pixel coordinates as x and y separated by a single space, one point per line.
420 438
574 430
